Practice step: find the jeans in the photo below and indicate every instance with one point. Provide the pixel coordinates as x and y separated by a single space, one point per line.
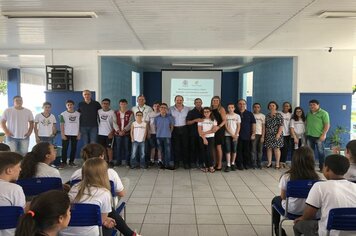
314 142
257 151
122 149
230 145
285 149
18 145
73 148
164 145
46 139
89 134
138 147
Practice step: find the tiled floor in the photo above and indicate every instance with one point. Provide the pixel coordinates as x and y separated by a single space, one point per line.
190 202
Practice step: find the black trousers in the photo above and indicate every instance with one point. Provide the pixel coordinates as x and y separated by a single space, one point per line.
208 152
120 225
276 217
195 150
73 148
180 145
285 149
243 153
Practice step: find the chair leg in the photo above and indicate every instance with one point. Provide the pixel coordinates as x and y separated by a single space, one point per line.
280 227
272 233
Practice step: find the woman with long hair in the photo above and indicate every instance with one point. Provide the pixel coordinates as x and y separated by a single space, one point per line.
95 189
96 150
302 169
297 128
48 213
274 131
220 116
37 162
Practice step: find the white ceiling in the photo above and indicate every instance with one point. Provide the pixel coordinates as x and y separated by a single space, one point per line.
181 25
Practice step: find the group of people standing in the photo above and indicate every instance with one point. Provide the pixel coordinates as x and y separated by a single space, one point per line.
176 135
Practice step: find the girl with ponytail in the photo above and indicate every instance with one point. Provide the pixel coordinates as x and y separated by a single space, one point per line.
48 213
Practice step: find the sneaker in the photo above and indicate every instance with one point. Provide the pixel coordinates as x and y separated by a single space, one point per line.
72 164
233 167
227 169
152 163
62 166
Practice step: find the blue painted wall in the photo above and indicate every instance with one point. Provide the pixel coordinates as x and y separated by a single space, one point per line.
272 80
13 85
116 80
332 103
152 87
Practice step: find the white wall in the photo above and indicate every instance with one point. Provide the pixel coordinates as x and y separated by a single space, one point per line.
85 64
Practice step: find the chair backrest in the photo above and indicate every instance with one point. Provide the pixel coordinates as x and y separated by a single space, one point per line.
112 186
35 186
9 216
84 214
342 219
299 188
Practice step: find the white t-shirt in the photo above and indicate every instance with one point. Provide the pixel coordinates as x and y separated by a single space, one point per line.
145 110
44 170
45 124
106 122
330 194
71 122
152 115
231 122
17 121
298 126
295 205
351 173
260 120
100 197
11 195
207 125
286 120
139 131
113 176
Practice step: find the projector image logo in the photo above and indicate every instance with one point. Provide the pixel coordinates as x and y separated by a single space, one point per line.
185 83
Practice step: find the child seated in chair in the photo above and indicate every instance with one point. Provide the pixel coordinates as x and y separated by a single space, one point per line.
351 155
302 169
336 192
11 194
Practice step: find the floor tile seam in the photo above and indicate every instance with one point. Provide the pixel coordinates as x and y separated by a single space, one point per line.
195 210
239 204
144 217
227 233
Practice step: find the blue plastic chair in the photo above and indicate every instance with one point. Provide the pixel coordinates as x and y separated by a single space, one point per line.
343 219
83 214
9 216
35 186
295 189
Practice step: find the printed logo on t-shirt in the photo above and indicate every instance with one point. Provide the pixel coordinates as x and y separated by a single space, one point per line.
46 122
72 118
104 117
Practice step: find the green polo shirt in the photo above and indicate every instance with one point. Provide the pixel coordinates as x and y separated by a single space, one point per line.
316 121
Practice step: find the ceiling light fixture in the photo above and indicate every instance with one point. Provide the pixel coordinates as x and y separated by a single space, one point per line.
338 14
193 64
48 14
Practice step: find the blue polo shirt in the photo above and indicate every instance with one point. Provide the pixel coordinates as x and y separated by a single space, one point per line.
247 119
163 124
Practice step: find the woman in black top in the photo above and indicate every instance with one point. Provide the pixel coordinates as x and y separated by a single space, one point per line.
220 116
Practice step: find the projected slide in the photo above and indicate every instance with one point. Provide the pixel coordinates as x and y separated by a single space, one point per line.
190 89
191 85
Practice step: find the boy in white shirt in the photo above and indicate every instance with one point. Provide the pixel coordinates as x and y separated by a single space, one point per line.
257 143
336 192
69 120
138 137
106 130
11 194
232 131
351 155
45 124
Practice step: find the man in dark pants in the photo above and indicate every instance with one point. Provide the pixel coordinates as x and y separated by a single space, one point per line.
247 133
194 116
88 118
179 113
